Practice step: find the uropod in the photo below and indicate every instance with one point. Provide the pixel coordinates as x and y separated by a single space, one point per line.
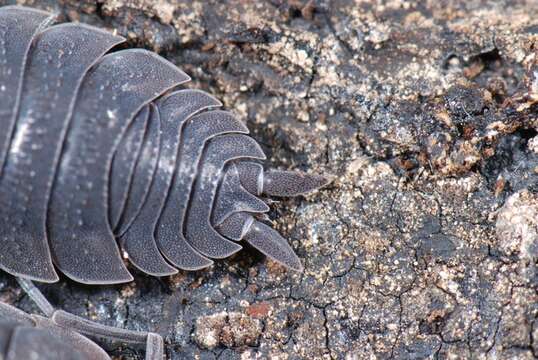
102 153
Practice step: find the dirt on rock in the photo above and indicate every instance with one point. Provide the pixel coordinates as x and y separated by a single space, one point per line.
424 246
227 329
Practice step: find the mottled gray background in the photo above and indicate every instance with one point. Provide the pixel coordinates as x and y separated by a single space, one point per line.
426 244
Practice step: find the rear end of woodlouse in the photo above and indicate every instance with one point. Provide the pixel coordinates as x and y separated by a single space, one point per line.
105 157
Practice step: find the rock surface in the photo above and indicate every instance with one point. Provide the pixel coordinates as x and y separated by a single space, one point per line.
425 111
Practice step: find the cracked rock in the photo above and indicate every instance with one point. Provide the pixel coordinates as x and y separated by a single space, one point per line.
424 246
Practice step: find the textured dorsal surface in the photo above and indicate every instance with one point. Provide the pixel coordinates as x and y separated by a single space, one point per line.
106 158
18 29
51 82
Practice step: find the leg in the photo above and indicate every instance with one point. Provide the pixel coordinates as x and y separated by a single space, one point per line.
90 328
37 296
154 342
154 347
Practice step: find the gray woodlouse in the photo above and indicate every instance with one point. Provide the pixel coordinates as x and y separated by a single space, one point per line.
100 150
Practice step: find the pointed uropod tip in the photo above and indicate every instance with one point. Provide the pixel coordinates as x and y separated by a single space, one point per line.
269 242
296 267
293 183
323 180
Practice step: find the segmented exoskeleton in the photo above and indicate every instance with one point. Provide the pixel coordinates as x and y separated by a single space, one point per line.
100 151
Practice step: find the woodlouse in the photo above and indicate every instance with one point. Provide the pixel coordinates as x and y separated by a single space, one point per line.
102 151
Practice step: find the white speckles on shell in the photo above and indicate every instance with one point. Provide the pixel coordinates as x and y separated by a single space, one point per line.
112 114
73 109
91 143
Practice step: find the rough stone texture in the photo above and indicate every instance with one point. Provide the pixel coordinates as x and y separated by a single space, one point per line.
517 226
228 329
426 112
